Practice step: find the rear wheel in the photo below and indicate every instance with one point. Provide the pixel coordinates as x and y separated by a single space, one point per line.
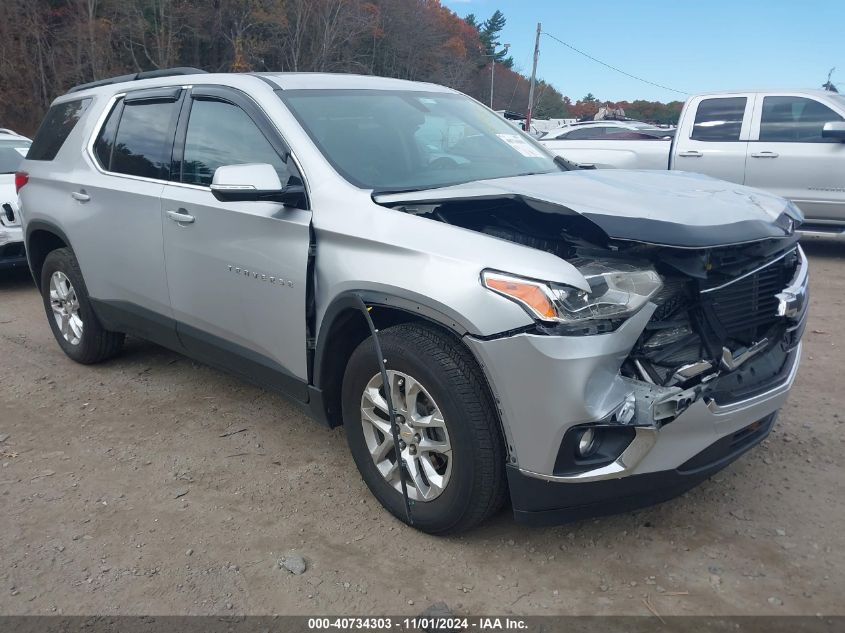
451 450
69 312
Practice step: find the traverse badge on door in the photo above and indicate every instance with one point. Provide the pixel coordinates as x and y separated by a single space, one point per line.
260 276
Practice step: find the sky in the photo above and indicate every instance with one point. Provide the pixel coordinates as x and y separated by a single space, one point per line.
691 46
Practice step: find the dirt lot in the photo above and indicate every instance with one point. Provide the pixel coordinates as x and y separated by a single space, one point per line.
121 492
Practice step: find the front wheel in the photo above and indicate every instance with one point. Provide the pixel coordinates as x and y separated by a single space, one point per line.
451 450
69 312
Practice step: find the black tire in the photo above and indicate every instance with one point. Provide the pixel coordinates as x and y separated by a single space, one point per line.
447 370
96 343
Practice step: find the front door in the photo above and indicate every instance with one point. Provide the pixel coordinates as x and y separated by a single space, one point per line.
787 155
236 271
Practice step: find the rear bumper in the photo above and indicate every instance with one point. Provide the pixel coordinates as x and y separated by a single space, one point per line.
541 502
12 252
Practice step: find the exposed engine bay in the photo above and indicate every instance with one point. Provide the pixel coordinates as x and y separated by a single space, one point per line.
718 326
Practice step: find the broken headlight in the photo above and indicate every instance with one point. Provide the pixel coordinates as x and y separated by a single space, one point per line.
617 290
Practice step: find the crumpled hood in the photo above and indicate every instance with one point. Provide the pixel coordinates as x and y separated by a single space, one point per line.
667 208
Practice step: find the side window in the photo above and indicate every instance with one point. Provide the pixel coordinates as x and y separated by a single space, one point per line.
586 133
144 141
719 119
795 120
104 145
55 128
220 133
630 135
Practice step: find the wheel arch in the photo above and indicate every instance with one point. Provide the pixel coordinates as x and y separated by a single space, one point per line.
344 327
41 239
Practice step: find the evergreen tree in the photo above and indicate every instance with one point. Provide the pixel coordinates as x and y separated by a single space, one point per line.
488 33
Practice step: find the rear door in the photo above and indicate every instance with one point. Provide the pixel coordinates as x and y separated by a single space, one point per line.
713 136
236 270
787 155
116 220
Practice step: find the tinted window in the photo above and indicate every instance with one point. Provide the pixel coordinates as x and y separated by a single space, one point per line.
795 120
632 135
586 133
55 128
222 134
144 139
719 119
12 152
104 145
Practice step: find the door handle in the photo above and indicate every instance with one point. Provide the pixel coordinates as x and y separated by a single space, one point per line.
180 216
80 196
764 155
691 153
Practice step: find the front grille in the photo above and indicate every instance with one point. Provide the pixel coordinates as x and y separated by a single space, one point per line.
747 306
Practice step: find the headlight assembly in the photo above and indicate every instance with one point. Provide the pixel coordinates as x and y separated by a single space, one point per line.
617 290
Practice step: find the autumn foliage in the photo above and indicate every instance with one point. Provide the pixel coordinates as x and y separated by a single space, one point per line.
47 46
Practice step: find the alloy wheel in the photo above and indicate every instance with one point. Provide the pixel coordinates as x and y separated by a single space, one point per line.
65 305
425 448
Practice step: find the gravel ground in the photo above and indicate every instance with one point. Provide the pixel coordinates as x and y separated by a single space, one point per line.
152 484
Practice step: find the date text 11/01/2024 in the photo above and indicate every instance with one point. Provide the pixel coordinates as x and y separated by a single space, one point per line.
451 623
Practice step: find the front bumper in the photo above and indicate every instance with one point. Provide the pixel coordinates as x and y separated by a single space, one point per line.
546 385
540 502
12 252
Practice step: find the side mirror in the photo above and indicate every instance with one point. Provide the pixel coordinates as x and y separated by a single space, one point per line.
834 130
255 182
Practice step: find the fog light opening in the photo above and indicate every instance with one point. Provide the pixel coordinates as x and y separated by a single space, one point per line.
586 442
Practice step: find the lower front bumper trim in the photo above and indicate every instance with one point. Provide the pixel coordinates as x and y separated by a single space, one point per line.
539 502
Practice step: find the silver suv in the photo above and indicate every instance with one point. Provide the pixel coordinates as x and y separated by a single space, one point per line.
485 320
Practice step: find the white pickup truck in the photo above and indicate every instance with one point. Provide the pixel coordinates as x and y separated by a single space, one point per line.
791 143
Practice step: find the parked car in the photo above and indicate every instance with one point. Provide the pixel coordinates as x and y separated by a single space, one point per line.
481 318
600 130
13 148
791 143
618 144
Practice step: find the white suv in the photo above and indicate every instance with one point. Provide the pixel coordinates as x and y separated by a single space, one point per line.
13 148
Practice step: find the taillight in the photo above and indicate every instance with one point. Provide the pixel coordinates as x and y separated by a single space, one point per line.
21 178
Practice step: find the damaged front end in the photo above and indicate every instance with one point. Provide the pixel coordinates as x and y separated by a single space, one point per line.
655 329
726 326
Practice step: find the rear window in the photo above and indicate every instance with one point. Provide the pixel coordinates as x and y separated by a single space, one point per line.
54 130
12 152
719 119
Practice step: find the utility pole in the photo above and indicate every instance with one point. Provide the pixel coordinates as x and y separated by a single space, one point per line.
533 80
492 57
493 77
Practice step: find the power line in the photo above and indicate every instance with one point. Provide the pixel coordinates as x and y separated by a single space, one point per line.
619 70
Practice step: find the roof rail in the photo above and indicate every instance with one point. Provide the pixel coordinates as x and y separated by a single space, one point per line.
147 74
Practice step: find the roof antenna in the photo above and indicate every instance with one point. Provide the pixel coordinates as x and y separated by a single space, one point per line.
394 428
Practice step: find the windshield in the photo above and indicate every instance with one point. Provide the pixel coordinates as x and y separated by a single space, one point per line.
406 140
12 152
